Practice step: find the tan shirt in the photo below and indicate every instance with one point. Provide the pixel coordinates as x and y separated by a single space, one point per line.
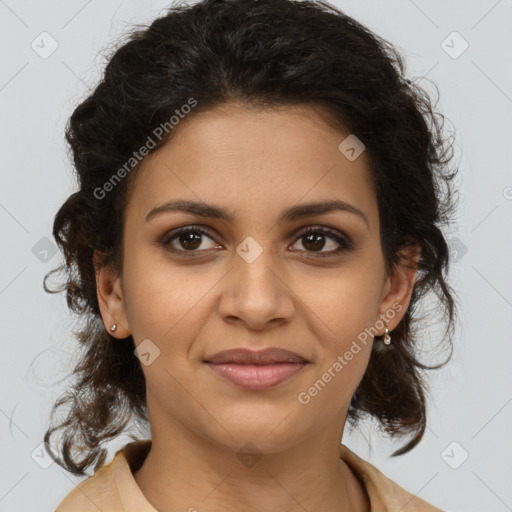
113 488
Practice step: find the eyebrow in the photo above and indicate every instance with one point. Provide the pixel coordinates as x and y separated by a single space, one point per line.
291 214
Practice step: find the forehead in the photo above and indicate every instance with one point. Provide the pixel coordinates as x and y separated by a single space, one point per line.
253 161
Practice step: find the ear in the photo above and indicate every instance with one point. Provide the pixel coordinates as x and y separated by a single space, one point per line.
398 286
110 299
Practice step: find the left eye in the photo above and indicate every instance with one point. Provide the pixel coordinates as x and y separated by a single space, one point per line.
314 239
190 239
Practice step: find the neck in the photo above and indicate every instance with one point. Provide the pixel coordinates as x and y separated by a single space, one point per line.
185 473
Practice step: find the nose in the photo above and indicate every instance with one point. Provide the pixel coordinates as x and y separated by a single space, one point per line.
256 293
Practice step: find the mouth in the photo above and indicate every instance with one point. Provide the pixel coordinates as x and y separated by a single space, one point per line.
256 370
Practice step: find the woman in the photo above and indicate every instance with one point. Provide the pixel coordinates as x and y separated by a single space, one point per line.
261 196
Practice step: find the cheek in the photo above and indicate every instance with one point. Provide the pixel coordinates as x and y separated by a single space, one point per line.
343 313
166 306
341 309
343 303
330 391
159 298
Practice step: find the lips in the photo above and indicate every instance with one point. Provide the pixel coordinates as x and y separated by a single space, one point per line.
256 370
245 356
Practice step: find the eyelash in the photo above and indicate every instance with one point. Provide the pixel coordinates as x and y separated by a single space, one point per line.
342 240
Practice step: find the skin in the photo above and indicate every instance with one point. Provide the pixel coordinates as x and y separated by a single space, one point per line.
255 163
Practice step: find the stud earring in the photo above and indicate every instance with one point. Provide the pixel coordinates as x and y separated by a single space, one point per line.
113 328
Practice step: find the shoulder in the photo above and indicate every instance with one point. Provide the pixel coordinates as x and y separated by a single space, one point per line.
385 495
112 487
91 494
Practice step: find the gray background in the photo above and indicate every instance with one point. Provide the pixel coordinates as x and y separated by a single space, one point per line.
471 397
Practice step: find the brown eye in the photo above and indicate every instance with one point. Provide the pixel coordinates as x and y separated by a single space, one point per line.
314 240
189 239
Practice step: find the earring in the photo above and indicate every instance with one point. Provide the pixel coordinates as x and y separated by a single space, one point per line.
113 328
387 337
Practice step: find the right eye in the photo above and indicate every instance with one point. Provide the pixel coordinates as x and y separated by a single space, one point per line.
189 238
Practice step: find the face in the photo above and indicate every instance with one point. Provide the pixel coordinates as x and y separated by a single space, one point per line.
254 277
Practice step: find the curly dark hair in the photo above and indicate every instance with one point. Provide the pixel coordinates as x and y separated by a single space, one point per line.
265 53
